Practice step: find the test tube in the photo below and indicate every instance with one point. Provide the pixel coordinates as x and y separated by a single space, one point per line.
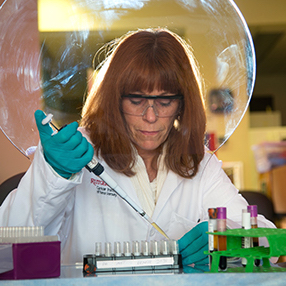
39 230
174 248
117 249
253 221
155 247
145 248
98 248
221 226
136 251
212 227
107 249
245 241
126 248
164 247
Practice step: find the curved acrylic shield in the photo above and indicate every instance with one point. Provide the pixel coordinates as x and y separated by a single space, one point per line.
47 50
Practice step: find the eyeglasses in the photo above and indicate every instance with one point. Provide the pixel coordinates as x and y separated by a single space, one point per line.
163 105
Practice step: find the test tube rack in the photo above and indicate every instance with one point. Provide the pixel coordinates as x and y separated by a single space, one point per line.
277 247
153 256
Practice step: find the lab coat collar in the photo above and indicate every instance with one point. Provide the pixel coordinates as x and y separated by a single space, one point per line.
171 183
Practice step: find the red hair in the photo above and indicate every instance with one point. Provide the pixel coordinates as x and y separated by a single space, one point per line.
143 61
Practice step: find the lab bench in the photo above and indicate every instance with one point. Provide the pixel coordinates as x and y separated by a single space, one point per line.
73 275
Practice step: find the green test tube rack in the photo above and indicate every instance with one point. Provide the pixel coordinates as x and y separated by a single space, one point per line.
277 247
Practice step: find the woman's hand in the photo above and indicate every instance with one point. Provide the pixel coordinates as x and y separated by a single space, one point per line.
67 151
193 244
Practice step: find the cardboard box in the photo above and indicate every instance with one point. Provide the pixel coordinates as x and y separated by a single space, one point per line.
273 184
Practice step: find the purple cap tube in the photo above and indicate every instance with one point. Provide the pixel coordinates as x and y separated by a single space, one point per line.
221 213
253 210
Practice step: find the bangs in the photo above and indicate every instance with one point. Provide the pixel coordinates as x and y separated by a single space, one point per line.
148 75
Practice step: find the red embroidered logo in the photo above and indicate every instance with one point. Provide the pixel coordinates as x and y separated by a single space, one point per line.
97 182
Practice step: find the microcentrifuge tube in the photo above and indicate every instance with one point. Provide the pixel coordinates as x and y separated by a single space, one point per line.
174 248
117 249
98 248
164 247
107 249
145 247
126 248
155 247
136 251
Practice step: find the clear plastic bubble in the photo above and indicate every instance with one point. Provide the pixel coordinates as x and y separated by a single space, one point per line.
47 49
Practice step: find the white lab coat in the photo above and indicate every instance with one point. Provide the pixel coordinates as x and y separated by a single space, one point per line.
84 210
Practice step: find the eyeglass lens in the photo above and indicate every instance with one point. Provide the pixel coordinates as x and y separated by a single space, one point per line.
138 106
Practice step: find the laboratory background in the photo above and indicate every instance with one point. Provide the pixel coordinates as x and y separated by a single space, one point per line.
254 156
261 133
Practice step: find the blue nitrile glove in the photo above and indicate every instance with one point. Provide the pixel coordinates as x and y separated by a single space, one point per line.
193 244
197 268
67 151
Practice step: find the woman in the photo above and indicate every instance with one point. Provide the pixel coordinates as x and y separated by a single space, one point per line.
145 119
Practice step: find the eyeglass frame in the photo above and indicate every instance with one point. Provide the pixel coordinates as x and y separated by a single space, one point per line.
131 95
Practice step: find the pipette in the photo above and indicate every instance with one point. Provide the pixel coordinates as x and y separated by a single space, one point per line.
95 167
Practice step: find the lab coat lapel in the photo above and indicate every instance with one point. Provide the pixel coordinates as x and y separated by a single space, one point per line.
171 183
124 182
